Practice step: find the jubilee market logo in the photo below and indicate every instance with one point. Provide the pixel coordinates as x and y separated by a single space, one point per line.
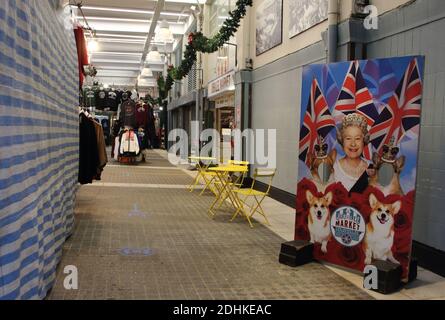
348 226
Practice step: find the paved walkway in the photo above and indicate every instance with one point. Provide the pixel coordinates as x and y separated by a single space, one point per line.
140 234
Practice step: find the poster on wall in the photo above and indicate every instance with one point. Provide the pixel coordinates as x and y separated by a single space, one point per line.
358 152
269 25
304 14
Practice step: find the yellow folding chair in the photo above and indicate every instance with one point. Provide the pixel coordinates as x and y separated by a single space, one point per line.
202 166
237 181
209 179
258 196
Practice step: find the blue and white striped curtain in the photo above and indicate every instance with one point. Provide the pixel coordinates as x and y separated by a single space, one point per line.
38 144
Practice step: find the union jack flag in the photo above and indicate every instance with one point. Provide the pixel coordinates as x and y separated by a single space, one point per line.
318 121
380 79
402 113
355 97
329 87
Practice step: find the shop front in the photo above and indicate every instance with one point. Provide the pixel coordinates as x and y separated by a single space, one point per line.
221 92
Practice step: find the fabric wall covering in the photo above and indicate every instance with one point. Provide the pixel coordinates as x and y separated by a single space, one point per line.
39 131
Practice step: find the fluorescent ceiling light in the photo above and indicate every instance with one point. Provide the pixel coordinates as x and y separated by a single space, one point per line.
137 54
165 13
134 41
117 68
115 19
122 20
114 35
117 61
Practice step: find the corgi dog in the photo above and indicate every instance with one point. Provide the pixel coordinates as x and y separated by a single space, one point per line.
319 219
380 230
328 161
387 156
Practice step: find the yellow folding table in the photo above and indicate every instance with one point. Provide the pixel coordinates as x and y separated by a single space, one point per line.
224 188
202 169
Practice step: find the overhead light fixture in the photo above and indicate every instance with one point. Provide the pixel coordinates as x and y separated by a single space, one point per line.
154 55
164 34
93 46
146 73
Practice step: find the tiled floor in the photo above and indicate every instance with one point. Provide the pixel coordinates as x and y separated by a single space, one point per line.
140 234
427 286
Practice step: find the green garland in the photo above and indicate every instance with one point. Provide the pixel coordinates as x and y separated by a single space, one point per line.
197 42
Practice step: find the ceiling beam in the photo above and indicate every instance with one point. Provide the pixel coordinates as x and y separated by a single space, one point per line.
151 33
133 11
110 26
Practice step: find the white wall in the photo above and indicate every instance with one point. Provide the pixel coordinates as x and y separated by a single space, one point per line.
288 45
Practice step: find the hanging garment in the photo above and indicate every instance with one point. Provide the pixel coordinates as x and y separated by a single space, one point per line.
112 100
142 138
158 127
119 96
141 115
90 98
101 150
126 96
88 150
129 143
106 128
116 149
128 114
151 129
105 123
101 99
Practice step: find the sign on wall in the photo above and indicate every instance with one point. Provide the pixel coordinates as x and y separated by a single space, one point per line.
358 153
305 14
221 85
269 25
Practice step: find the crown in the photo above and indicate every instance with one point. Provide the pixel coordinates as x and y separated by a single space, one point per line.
321 148
390 151
354 119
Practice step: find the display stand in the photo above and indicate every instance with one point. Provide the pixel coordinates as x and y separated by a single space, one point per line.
296 253
356 205
127 159
389 275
